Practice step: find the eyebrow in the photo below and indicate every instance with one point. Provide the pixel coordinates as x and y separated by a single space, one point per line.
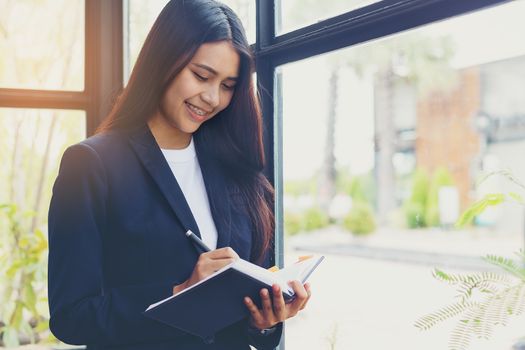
212 71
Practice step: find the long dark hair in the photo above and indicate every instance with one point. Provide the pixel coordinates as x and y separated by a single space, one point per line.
235 134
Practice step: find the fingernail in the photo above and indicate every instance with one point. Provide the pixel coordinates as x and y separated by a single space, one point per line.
246 300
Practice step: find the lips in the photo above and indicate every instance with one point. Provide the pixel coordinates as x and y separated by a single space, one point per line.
197 113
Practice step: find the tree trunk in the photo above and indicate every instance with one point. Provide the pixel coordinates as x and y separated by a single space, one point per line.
43 171
31 166
328 172
385 144
15 195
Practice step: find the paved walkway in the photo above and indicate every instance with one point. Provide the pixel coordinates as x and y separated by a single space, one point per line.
450 248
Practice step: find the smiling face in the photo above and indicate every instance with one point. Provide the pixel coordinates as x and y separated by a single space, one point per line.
202 89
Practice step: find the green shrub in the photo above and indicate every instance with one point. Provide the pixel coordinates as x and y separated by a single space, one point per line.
361 187
356 190
300 187
414 214
360 220
23 272
315 218
420 187
292 223
415 206
312 219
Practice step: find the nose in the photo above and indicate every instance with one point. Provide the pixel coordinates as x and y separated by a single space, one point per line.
211 96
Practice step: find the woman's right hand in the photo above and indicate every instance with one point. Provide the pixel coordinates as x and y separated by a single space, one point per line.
207 264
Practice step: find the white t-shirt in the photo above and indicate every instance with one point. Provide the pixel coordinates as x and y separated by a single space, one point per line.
185 166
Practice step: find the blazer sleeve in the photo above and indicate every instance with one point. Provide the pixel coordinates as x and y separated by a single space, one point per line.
82 309
264 342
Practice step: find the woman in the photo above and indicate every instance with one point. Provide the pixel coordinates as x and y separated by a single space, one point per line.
181 149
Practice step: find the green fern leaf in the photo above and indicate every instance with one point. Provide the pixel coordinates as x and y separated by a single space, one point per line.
441 275
508 265
517 197
480 317
485 282
511 178
515 303
447 312
460 336
497 312
478 207
506 173
521 255
520 304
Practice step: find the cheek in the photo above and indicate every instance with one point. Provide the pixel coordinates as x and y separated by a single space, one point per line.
171 103
226 100
180 90
170 96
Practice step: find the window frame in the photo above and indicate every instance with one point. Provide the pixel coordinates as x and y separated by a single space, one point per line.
103 38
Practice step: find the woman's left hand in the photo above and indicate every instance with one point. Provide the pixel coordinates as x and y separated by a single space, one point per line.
270 315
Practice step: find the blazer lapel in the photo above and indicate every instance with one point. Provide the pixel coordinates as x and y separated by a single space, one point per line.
217 190
149 153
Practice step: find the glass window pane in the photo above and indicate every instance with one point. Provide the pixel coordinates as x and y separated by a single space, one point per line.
138 18
294 14
42 44
32 142
382 150
142 14
245 9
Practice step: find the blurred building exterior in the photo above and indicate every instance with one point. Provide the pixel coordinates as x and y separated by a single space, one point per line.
472 129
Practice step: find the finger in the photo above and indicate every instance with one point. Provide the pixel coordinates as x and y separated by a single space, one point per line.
267 309
309 292
300 295
278 303
299 290
216 265
255 313
221 253
206 267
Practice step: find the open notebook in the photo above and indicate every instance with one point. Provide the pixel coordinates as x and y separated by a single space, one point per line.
217 301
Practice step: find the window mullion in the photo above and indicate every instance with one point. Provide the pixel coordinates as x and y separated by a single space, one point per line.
104 57
25 98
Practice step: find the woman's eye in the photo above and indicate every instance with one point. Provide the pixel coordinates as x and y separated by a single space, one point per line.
200 77
228 87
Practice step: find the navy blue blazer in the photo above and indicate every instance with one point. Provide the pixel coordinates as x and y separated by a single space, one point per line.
116 244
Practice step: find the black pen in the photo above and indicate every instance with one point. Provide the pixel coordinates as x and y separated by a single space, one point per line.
197 241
